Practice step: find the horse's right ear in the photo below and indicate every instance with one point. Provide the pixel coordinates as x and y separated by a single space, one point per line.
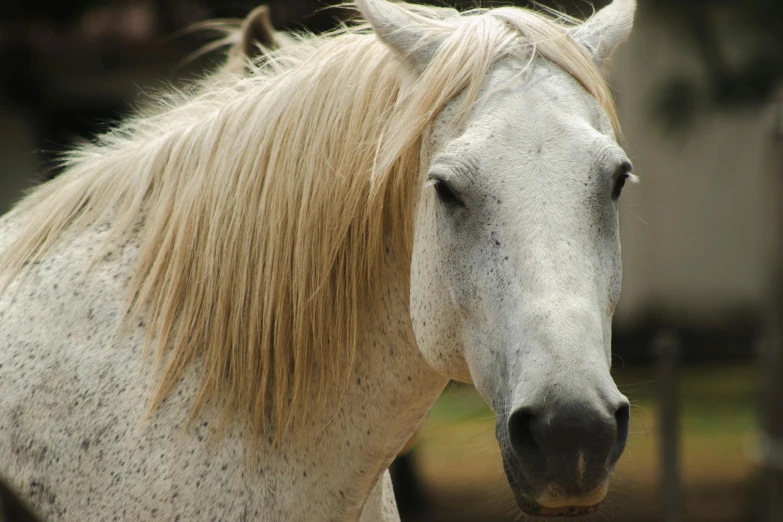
412 35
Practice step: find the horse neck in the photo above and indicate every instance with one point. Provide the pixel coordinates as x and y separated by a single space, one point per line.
388 356
391 391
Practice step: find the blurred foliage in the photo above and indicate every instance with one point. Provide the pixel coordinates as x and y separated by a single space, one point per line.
171 14
50 9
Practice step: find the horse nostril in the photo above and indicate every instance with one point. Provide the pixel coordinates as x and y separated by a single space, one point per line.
520 433
622 417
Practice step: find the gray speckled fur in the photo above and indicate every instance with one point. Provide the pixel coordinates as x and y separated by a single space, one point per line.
72 398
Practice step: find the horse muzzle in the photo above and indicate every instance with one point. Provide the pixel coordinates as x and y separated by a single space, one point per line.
559 457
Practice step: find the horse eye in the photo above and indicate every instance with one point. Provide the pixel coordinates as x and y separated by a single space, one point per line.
446 195
618 186
625 173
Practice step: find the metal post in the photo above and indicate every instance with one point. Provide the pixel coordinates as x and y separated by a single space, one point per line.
771 446
666 348
770 451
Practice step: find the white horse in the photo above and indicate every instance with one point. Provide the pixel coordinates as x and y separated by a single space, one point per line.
240 305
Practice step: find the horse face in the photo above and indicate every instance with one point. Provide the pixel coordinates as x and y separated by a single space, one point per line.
516 261
516 273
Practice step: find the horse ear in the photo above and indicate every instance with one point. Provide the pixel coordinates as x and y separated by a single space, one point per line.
603 32
255 38
257 30
409 32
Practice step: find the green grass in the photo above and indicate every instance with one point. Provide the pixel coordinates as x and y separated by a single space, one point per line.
714 401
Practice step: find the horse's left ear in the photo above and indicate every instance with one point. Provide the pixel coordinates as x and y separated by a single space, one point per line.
255 38
603 32
411 33
257 30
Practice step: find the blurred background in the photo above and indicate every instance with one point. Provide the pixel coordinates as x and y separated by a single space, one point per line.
697 333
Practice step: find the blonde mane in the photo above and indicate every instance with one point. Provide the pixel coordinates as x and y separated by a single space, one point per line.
266 203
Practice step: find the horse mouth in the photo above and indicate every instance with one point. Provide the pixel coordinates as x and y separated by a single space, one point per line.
552 501
537 510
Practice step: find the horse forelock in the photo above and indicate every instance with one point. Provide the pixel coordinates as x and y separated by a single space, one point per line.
267 202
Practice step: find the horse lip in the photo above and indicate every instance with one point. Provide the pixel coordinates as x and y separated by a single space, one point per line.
553 504
550 499
537 510
549 506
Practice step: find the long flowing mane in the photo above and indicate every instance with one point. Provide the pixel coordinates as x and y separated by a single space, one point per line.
266 202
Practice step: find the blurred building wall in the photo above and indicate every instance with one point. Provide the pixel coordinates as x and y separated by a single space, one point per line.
696 230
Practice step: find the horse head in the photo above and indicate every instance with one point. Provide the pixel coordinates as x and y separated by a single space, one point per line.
516 265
